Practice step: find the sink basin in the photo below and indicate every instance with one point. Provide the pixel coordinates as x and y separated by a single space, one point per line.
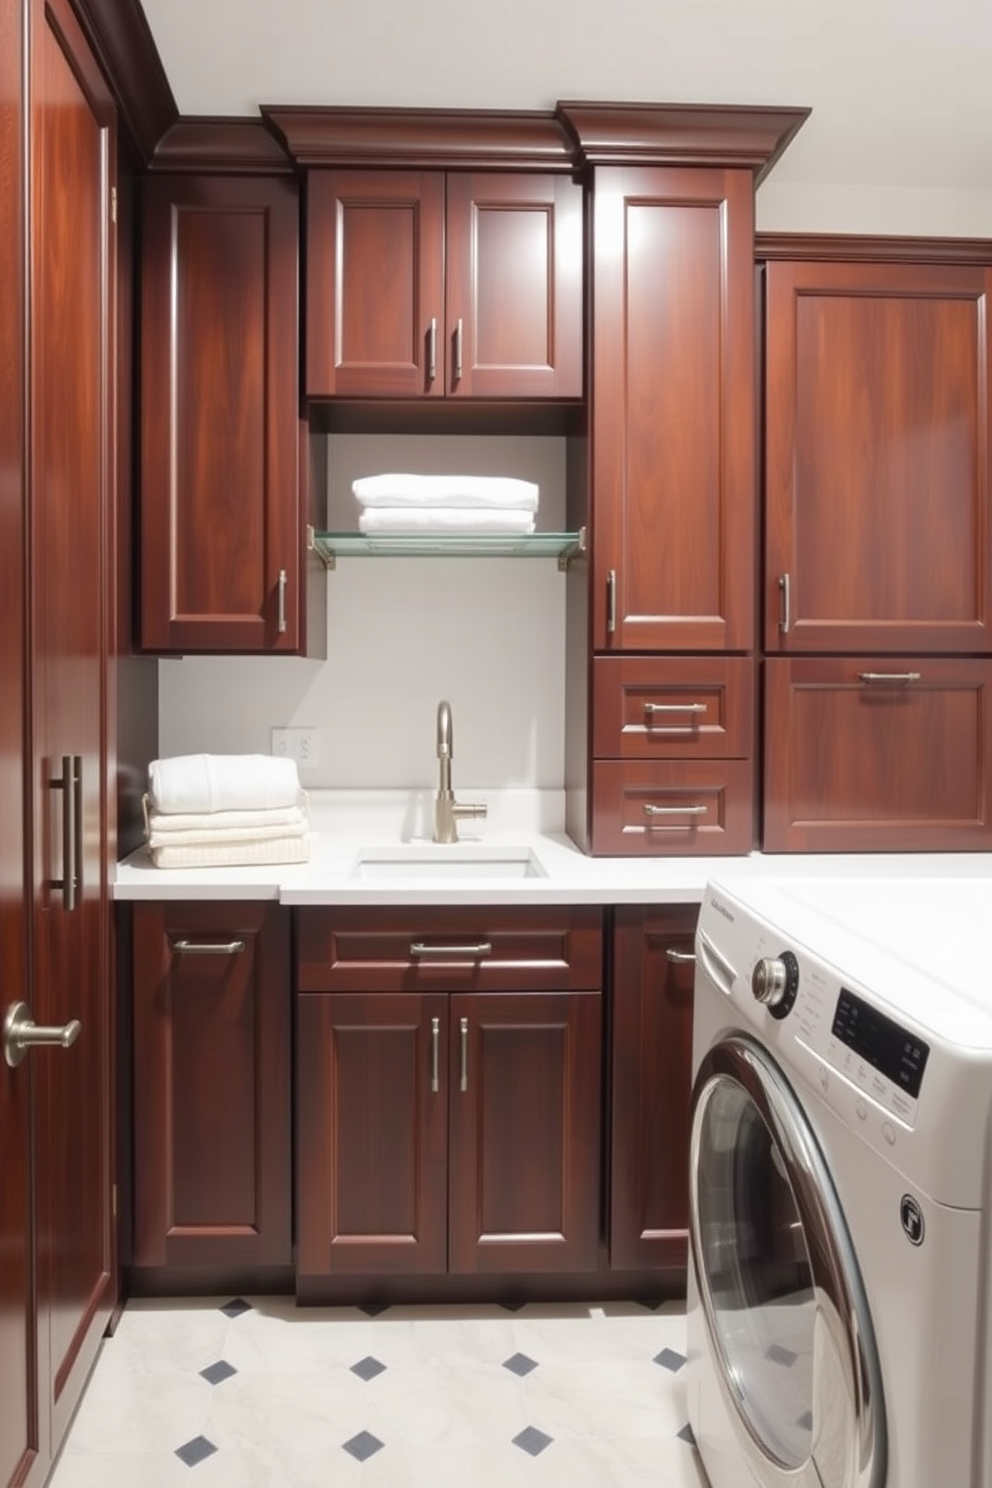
436 860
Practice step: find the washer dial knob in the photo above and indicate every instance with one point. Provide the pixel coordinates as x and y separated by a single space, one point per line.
775 982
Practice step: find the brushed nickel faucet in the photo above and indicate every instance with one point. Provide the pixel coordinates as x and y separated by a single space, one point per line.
448 811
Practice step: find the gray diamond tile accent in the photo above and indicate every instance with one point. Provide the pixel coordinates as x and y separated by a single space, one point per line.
669 1359
236 1307
196 1450
215 1374
513 1306
519 1364
651 1304
373 1309
368 1368
686 1435
363 1446
532 1441
779 1355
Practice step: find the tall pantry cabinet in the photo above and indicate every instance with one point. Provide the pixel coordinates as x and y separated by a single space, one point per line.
57 1283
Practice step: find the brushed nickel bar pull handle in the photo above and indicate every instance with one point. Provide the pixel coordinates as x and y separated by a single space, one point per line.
650 810
611 601
463 1082
432 349
651 708
283 581
785 604
435 1052
67 884
680 958
458 350
209 947
466 952
77 825
21 1033
894 677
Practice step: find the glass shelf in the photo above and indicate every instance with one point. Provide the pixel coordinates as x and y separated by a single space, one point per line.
563 546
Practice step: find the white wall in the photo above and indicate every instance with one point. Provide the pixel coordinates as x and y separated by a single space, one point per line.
487 634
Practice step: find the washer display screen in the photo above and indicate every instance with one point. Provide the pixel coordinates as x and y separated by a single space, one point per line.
897 1054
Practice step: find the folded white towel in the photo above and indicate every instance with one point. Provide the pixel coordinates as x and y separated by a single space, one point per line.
444 519
229 835
161 822
197 783
233 854
446 490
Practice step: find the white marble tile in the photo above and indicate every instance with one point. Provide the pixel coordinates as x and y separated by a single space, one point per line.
450 1465
445 1405
614 1399
167 1335
138 1411
286 1410
617 1462
119 1470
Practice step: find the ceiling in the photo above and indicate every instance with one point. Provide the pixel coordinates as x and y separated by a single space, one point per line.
900 137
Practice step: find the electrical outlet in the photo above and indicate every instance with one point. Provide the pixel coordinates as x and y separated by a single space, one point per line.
299 744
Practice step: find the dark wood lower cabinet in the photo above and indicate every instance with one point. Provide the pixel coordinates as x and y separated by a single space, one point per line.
212 1072
653 973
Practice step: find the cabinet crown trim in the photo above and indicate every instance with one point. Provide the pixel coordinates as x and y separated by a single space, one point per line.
851 248
681 133
233 146
440 139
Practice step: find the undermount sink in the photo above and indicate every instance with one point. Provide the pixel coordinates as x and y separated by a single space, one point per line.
460 860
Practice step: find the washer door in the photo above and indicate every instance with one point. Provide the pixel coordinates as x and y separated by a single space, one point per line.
784 1304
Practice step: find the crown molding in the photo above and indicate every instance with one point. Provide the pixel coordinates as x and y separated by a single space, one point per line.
680 133
118 32
852 248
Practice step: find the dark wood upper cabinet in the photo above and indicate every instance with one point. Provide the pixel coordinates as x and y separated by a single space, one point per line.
673 471
879 529
652 1076
433 284
222 548
212 1107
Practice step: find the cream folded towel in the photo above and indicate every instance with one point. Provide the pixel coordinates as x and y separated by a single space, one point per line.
162 823
233 854
195 783
444 519
446 490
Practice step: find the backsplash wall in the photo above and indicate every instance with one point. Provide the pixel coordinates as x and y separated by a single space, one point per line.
487 634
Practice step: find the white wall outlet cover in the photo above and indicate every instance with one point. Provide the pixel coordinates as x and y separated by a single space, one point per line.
299 744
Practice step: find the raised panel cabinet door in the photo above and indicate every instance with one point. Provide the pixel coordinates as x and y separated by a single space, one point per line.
876 754
73 132
375 284
221 525
371 1134
673 499
514 286
653 973
525 1131
212 1066
878 410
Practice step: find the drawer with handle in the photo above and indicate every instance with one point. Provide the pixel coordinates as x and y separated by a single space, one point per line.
686 807
673 707
414 949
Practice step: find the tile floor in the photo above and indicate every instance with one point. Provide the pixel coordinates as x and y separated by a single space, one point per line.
256 1393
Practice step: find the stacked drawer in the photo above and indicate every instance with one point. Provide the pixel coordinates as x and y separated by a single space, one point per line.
673 750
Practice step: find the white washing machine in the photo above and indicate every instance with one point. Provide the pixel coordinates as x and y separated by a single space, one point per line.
841 1185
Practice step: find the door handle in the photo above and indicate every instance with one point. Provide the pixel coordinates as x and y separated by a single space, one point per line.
71 786
463 1032
432 349
21 1033
435 1052
458 350
283 581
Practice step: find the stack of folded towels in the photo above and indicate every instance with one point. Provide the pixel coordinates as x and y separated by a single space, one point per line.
445 503
217 810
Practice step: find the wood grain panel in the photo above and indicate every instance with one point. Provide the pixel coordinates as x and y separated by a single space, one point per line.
652 1070
878 417
673 409
211 1086
525 1133
673 707
514 280
655 807
371 1176
852 766
368 949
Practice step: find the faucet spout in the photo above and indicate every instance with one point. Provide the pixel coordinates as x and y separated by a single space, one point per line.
446 809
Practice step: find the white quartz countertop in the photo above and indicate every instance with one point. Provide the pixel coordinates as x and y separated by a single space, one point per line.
362 842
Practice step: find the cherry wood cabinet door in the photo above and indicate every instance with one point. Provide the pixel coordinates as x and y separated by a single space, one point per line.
878 411
653 974
372 1133
375 284
221 526
20 1425
525 1132
876 754
72 422
673 501
514 255
212 1063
